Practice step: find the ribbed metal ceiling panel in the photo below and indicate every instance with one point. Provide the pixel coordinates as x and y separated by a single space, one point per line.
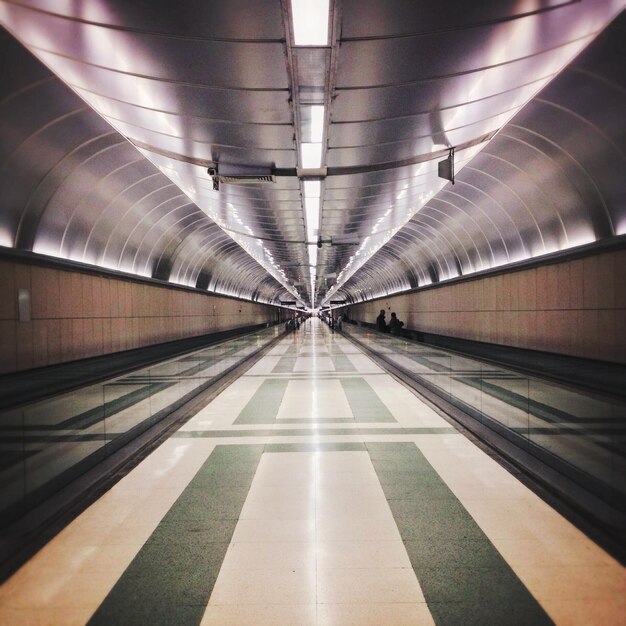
72 187
552 179
199 84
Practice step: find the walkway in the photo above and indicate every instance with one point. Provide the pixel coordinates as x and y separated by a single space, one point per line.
316 489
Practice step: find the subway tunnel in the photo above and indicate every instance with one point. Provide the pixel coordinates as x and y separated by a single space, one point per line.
210 214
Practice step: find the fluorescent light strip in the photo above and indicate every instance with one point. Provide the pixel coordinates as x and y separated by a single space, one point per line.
312 120
311 155
310 22
317 123
312 212
312 188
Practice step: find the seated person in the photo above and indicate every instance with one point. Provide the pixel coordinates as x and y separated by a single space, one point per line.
395 325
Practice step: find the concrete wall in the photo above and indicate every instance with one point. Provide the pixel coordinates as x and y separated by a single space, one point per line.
76 315
575 307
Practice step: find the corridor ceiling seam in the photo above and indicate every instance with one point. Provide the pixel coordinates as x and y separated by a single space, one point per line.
202 83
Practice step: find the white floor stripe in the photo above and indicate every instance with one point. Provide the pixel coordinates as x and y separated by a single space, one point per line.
316 530
306 399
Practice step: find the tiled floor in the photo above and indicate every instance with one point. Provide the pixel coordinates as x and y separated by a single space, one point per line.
317 489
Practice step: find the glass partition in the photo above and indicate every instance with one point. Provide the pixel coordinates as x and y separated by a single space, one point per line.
46 444
582 431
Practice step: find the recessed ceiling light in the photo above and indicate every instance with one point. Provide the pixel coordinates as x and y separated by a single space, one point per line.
310 22
312 188
317 122
312 210
311 155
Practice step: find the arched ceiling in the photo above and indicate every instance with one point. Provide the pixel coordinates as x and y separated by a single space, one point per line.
72 187
200 84
551 179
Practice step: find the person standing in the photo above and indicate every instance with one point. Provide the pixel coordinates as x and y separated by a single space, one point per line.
381 324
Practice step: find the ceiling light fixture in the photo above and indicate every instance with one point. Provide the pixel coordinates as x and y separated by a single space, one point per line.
311 155
312 211
310 22
312 188
317 122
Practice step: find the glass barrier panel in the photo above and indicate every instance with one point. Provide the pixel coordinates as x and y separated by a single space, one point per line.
584 430
575 426
505 398
126 404
60 433
465 385
46 444
164 387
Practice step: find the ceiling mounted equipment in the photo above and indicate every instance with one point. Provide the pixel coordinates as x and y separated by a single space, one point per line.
240 175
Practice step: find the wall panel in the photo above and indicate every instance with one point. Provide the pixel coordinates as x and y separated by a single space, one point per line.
75 315
575 307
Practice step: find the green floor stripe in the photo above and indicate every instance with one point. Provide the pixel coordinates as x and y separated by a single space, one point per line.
172 576
285 365
308 432
263 407
342 363
464 578
364 401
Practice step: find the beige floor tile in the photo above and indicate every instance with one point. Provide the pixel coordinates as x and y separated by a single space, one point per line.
351 506
346 479
514 518
56 589
587 612
264 587
270 555
356 586
84 534
564 549
333 461
396 614
357 529
280 348
44 616
361 554
267 363
274 530
310 399
577 582
363 364
313 364
301 509
344 491
260 615
68 556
